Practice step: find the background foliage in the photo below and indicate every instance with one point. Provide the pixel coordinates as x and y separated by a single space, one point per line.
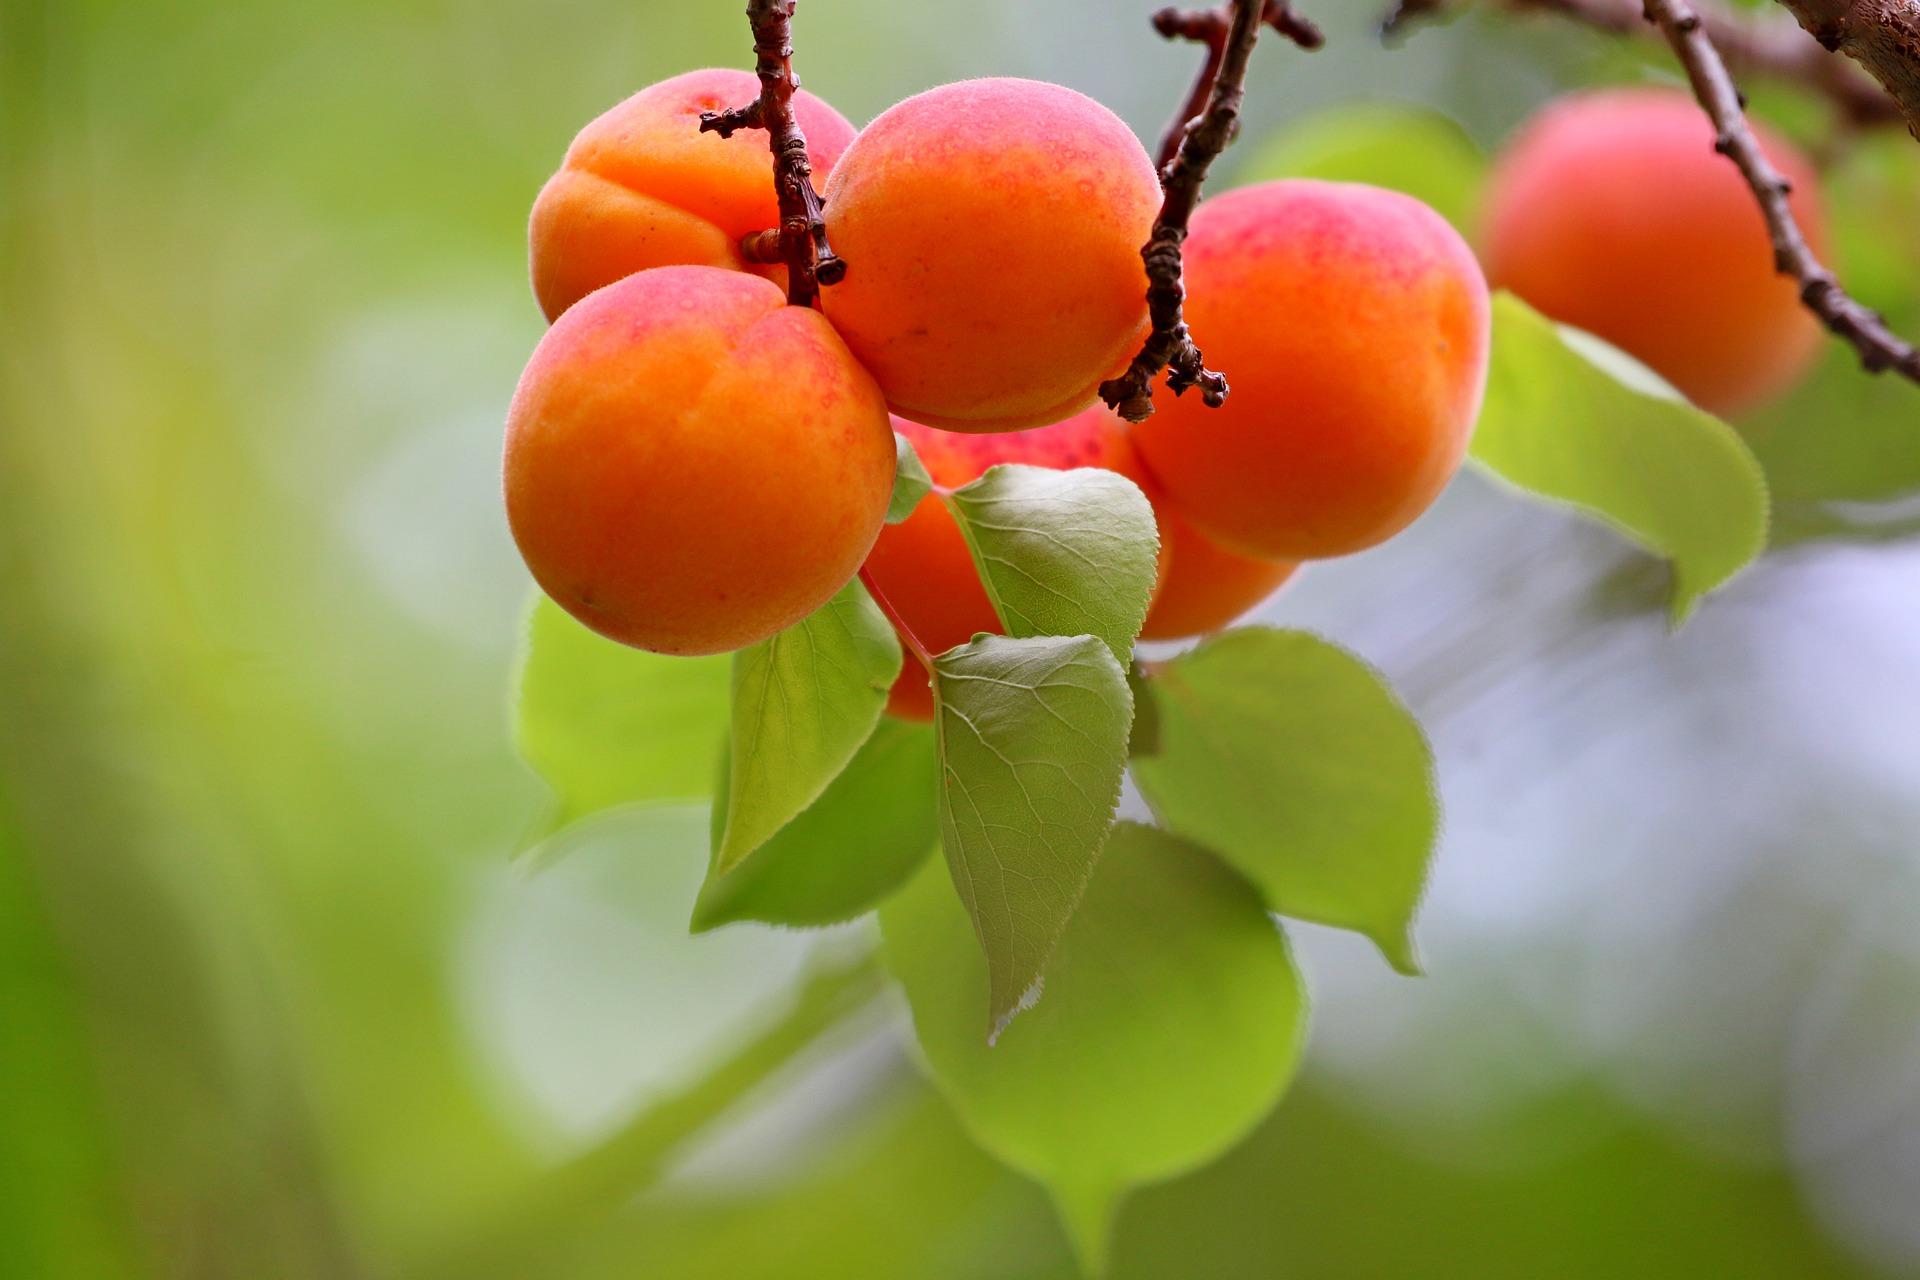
273 1001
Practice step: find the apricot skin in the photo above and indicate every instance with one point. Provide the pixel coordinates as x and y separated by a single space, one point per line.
1205 586
992 231
1352 324
691 464
1611 212
641 187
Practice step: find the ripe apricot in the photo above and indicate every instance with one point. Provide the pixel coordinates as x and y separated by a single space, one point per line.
992 232
1611 212
1204 586
691 464
1352 324
641 187
923 565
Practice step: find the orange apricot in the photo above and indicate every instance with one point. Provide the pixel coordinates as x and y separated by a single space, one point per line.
691 464
923 565
1204 586
1352 324
641 187
1610 211
992 232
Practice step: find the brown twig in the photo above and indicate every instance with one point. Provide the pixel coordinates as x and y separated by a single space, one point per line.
1880 349
800 241
1209 27
1881 35
1770 46
1210 120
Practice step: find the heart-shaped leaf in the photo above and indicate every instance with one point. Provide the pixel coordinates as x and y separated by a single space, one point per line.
1294 761
1173 1021
1062 553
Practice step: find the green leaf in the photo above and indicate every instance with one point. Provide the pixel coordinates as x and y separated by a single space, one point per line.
910 480
1173 1021
1402 148
1033 740
1062 553
868 831
606 725
1294 761
1570 419
803 702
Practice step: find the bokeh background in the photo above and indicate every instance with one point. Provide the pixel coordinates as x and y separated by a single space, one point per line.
275 1002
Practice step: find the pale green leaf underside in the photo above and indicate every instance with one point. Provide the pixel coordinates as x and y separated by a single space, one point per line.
803 702
1294 761
910 480
1033 741
1062 553
868 831
1172 1022
1673 478
605 725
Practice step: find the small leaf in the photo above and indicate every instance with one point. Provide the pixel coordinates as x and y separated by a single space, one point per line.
861 840
606 725
1172 1023
910 480
1062 553
1293 760
1033 740
1402 148
803 702
1675 479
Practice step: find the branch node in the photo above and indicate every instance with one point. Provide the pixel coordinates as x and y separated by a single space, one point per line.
1208 121
800 241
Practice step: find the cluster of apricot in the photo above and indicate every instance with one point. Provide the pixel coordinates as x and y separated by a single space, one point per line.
692 464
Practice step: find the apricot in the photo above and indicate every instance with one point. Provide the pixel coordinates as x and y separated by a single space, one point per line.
923 565
992 232
1204 586
691 464
1611 212
1352 324
641 187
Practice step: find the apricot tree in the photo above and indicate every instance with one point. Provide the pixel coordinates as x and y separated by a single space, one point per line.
697 466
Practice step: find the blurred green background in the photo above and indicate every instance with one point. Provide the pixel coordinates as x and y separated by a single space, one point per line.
274 1003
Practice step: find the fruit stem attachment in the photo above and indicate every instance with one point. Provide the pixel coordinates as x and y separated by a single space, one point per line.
1208 122
801 239
1880 349
913 643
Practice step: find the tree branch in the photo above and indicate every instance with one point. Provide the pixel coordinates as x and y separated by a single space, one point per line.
1880 349
1771 46
1208 123
801 239
1881 35
1209 27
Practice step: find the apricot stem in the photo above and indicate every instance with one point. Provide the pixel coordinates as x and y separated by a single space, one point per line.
1772 46
1229 34
913 642
802 234
1880 349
